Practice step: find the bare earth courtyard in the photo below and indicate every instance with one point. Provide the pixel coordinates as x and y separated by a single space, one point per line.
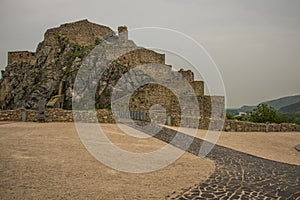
48 161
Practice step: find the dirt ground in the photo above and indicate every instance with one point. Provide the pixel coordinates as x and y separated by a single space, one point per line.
277 146
48 161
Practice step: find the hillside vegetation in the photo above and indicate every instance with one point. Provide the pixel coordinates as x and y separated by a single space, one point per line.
288 108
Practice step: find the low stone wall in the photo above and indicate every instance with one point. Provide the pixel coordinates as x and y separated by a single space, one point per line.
244 126
105 116
10 115
57 115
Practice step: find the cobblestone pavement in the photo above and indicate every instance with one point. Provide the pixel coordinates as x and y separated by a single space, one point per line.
238 175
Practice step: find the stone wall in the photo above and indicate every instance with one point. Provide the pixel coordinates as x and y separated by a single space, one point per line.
198 87
82 32
10 115
243 126
140 56
105 116
56 115
123 33
146 97
20 56
120 66
187 74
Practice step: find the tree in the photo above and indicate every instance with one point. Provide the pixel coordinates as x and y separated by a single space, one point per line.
229 116
264 113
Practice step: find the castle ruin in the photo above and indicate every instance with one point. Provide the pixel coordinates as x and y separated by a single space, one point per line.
49 73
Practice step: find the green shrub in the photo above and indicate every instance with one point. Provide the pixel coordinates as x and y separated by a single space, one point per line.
229 116
264 113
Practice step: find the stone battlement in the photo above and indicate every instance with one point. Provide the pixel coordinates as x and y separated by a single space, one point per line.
20 56
123 33
198 87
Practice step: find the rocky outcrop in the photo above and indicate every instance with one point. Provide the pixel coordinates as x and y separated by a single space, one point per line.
25 81
33 76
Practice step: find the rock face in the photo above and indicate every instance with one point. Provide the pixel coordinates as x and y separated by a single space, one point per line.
30 76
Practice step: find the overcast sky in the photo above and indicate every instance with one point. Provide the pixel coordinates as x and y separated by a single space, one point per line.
255 43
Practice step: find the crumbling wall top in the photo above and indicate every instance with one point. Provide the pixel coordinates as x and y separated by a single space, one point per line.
198 87
20 56
187 74
123 33
82 32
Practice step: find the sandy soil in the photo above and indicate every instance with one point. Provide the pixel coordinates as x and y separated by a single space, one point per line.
277 146
48 161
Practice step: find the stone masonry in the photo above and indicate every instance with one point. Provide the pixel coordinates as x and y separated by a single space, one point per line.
105 116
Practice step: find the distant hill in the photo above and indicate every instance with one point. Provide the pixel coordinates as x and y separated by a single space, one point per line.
284 104
292 108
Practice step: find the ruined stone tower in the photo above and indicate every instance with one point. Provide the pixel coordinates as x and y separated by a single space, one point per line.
123 33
